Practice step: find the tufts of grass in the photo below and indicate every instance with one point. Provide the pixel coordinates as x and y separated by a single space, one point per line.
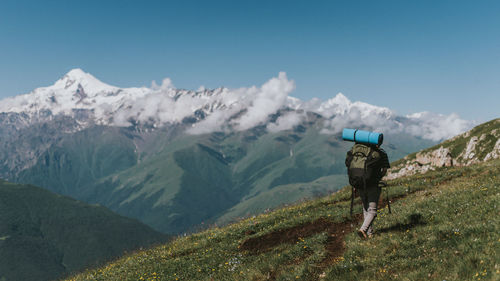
447 231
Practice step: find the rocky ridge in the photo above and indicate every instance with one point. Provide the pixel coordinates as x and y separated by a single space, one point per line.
482 143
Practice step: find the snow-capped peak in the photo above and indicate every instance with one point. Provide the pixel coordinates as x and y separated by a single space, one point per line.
340 99
211 110
75 90
78 80
339 104
78 74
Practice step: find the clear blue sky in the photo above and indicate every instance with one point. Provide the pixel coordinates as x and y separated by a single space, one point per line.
439 56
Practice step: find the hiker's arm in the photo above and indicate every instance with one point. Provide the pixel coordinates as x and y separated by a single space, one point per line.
384 164
383 171
348 158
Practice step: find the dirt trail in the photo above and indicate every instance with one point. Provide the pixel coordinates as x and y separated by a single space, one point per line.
268 241
334 247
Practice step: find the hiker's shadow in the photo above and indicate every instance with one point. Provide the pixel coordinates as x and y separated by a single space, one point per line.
413 220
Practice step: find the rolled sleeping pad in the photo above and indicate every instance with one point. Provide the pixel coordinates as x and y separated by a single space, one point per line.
362 136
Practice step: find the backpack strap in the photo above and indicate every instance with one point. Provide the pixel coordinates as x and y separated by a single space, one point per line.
369 157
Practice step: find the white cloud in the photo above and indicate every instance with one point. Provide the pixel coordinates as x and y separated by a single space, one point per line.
252 106
267 100
166 84
286 122
244 108
226 109
436 126
347 114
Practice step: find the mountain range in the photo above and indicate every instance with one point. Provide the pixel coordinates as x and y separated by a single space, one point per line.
90 101
180 159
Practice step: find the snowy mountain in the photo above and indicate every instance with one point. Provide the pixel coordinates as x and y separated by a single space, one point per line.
175 158
82 96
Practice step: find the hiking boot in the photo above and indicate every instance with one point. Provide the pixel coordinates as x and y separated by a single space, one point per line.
362 234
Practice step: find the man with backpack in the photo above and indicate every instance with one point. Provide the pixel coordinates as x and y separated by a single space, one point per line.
366 165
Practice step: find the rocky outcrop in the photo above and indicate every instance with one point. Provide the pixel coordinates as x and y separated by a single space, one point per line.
423 162
439 158
495 153
469 154
482 143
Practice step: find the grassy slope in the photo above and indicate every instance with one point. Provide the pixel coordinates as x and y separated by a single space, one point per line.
444 226
458 144
281 195
44 235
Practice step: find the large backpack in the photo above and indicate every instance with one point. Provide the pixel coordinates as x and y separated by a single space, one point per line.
361 162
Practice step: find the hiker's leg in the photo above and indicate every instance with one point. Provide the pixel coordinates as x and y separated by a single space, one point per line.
363 195
365 218
364 200
372 194
371 213
370 230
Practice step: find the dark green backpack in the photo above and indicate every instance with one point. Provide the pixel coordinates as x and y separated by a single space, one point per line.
361 162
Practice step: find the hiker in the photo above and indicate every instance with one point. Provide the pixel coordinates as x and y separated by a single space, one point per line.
367 164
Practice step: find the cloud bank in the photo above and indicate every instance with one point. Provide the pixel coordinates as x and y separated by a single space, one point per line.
246 108
211 110
436 126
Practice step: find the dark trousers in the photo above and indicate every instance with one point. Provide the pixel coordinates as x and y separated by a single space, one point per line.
369 197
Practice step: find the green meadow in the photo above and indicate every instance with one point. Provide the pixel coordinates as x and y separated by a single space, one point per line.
444 225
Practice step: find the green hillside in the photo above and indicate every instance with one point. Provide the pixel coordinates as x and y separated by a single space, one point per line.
444 226
44 236
482 140
176 182
486 135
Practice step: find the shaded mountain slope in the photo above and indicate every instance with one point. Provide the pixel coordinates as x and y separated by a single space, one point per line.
80 159
44 236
